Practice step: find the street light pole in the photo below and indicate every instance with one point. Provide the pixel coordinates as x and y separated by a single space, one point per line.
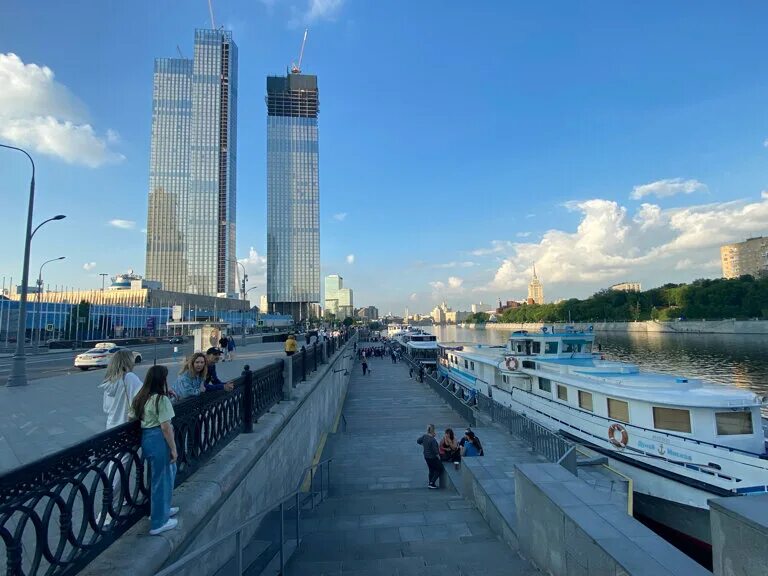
243 280
103 277
39 290
18 375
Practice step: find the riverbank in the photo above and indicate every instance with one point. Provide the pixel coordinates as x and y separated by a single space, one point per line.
729 326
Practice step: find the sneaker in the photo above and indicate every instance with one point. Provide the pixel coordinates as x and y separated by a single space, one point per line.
431 486
170 525
174 511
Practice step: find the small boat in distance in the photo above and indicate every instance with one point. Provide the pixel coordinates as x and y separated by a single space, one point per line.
681 440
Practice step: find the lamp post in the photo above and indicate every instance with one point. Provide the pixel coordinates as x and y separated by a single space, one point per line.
39 291
18 375
243 280
257 318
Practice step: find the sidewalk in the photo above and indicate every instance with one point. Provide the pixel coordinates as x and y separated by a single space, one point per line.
381 519
53 413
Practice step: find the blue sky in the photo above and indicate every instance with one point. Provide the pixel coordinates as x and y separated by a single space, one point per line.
460 142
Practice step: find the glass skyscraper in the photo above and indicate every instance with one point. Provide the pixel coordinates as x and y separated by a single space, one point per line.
193 164
293 196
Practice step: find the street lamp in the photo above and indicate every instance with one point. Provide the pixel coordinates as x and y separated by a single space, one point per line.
39 291
257 314
18 375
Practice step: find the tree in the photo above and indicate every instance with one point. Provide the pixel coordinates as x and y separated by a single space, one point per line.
348 322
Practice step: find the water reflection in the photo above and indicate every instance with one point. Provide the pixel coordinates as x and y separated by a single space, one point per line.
739 360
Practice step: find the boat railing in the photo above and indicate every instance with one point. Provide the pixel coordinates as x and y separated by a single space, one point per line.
552 446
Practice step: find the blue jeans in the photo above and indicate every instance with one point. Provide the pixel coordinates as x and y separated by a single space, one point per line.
162 474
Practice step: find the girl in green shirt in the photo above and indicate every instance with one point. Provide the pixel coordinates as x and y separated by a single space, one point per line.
153 407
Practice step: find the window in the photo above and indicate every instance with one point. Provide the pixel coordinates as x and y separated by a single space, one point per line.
618 410
672 419
550 348
472 366
536 349
730 423
585 400
562 393
545 384
570 346
504 379
466 364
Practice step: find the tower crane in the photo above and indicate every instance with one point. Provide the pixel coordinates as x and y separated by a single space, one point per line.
296 68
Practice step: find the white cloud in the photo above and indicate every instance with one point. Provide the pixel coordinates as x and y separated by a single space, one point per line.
455 282
453 286
765 143
39 113
523 234
350 258
609 245
413 297
340 217
314 11
496 247
88 266
456 264
667 187
256 268
122 224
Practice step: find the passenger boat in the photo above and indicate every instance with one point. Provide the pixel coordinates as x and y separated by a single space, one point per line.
681 440
421 347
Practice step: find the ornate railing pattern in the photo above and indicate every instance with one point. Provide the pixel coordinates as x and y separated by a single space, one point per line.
58 513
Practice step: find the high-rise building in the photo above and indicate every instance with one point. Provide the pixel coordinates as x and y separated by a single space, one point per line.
193 164
293 195
535 289
333 284
748 257
346 303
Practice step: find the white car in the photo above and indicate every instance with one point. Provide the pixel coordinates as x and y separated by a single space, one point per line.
98 357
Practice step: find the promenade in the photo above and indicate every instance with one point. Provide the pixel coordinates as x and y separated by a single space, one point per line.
55 412
380 518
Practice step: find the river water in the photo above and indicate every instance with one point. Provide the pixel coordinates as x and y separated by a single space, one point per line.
740 360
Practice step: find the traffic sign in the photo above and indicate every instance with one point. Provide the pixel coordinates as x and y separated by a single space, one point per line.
49 328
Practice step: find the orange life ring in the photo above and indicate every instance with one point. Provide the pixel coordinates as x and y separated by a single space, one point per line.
612 429
511 363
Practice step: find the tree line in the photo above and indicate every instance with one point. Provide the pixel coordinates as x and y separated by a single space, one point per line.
706 299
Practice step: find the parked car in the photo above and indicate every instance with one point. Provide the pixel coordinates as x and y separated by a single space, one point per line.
176 340
99 355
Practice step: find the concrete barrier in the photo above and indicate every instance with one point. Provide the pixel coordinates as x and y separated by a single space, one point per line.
739 535
247 476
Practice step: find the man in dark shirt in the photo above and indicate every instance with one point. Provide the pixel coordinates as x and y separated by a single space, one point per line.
212 381
431 456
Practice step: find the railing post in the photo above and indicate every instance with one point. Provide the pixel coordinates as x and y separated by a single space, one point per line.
247 400
298 520
238 553
287 377
303 363
325 351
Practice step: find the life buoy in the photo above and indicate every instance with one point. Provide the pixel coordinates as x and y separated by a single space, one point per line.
511 363
624 437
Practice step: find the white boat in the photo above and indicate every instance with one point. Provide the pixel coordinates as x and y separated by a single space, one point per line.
421 347
681 440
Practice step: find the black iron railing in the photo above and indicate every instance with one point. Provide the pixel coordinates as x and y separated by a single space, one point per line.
60 512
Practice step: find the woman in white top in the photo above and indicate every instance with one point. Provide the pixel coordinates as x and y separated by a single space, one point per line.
120 386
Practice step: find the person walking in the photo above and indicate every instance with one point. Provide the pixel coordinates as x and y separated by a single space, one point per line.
191 380
290 345
223 346
231 349
365 364
153 408
120 386
431 456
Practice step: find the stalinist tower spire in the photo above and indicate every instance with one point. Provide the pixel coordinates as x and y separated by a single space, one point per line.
535 289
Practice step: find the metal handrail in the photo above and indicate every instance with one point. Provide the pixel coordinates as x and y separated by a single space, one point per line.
237 532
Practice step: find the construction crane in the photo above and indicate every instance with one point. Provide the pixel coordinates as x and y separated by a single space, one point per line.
210 11
296 68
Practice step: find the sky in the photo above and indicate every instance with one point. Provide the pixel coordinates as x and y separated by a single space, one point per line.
460 142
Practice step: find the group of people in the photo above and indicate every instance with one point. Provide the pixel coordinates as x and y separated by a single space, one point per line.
447 450
127 398
227 347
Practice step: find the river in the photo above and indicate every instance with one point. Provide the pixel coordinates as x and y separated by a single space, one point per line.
741 360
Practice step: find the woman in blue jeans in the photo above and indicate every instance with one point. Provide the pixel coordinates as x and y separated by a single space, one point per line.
153 407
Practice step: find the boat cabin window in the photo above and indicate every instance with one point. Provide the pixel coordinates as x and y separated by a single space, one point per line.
571 346
730 423
550 348
504 379
466 364
536 347
672 419
585 400
529 364
618 410
545 384
562 393
519 347
472 366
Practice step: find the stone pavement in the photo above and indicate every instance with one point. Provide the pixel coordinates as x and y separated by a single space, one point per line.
53 413
380 518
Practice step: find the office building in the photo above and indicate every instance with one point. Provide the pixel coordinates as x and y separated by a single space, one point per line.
346 303
535 289
333 284
627 287
193 162
293 195
745 258
368 313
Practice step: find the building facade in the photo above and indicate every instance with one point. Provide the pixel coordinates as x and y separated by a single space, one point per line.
346 303
535 289
191 221
293 195
627 287
748 257
333 283
368 313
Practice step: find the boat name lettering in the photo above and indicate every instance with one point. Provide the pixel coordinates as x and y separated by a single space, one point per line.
646 445
681 455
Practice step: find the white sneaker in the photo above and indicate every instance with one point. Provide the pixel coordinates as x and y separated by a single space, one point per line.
170 525
174 511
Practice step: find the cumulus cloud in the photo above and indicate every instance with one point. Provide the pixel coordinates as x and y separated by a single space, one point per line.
765 143
122 224
610 245
453 286
39 113
523 234
413 297
88 266
350 258
496 247
667 187
340 216
456 264
314 11
256 268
